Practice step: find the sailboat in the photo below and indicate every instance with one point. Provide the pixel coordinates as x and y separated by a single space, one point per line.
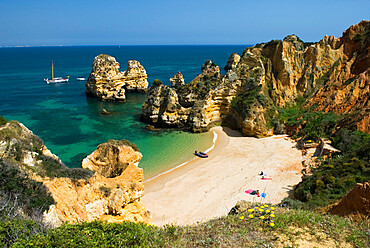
53 79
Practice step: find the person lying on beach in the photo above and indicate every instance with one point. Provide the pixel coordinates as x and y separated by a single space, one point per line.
266 178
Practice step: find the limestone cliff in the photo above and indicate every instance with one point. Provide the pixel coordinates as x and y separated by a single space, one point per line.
108 189
332 75
107 83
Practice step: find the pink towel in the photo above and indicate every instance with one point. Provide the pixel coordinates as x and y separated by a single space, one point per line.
266 178
248 191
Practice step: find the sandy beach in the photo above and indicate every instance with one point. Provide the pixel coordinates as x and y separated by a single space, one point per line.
208 188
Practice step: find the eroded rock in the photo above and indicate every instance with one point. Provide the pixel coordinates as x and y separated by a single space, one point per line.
332 74
107 83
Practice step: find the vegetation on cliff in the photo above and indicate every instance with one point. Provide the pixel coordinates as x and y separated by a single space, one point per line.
292 228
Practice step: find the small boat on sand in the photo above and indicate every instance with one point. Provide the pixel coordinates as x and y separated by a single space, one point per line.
201 154
55 80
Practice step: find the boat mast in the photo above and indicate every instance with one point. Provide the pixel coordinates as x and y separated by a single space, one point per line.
52 70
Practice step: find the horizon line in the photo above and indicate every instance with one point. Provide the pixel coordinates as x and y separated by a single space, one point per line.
25 46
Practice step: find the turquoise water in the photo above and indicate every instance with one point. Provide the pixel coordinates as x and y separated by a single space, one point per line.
72 125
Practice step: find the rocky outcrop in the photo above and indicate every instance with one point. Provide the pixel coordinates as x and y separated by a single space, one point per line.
107 83
332 74
108 189
356 202
177 80
112 194
232 62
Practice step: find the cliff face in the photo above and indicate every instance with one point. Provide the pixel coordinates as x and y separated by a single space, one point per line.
107 83
109 190
332 75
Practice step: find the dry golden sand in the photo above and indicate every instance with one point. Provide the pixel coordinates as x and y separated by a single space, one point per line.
208 188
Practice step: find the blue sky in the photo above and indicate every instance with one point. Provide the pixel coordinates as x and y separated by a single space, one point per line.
175 22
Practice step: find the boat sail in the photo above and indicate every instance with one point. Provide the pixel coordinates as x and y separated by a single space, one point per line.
53 79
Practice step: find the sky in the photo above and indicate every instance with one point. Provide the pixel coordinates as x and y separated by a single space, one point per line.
173 22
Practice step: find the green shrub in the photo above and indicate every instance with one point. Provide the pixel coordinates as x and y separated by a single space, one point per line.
31 194
19 228
243 103
3 120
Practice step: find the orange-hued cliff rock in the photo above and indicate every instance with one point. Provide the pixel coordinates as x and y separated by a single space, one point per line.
112 194
331 75
109 187
107 83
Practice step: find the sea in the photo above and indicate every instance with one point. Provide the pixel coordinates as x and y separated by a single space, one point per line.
71 125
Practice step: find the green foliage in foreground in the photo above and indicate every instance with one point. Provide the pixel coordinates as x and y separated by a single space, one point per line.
19 229
229 231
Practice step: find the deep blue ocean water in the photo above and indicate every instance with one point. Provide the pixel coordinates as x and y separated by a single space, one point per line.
72 125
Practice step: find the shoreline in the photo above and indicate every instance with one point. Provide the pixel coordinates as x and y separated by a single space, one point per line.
202 189
214 140
158 180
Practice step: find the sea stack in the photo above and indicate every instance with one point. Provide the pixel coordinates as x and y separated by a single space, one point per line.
107 83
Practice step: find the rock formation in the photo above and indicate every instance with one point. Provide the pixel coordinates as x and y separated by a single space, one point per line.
112 194
109 189
107 83
232 62
332 75
177 80
356 202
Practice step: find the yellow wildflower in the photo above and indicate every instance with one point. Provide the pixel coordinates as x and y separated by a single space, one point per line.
262 217
260 222
262 206
250 210
272 215
261 210
272 224
272 212
267 211
272 208
251 216
266 205
241 217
